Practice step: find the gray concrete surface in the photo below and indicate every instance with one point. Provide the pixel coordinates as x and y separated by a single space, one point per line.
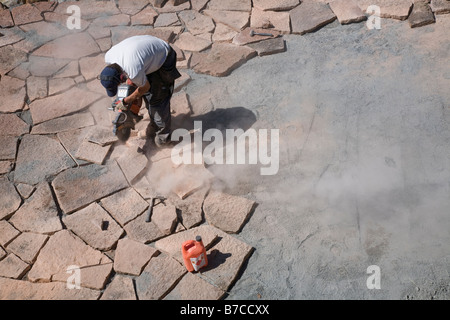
364 171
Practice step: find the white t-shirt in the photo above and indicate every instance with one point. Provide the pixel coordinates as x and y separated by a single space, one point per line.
139 56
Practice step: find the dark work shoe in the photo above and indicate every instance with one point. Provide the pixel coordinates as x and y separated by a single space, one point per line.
159 143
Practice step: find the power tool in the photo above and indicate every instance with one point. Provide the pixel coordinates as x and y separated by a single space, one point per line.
125 120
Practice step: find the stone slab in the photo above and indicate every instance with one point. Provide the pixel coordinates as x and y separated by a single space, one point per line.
5 166
91 277
191 208
92 152
7 233
120 288
90 9
25 190
125 205
166 20
36 88
142 231
276 5
234 19
61 251
230 5
71 140
145 17
203 289
158 278
39 213
91 67
279 21
421 14
10 58
68 47
310 16
440 6
46 66
56 86
40 157
222 59
189 42
9 198
95 227
25 290
131 257
9 147
227 212
132 163
27 246
347 11
13 94
164 216
244 37
132 7
13 267
223 33
70 70
25 14
199 5
69 123
63 104
196 23
169 6
76 188
6 20
12 125
10 35
39 33
102 136
269 46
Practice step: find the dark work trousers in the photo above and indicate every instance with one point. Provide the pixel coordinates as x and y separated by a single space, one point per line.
158 98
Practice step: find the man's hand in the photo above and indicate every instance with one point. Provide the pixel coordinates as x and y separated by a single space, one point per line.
121 106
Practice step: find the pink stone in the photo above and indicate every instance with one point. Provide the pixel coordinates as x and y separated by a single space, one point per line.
25 14
9 198
68 47
310 16
131 256
234 19
12 125
145 17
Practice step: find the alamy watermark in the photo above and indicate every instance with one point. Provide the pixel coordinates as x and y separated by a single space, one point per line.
374 280
74 280
229 149
374 19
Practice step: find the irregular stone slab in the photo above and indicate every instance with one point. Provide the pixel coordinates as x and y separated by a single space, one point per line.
145 17
25 14
71 101
275 5
13 267
190 178
421 14
120 288
90 9
68 47
71 140
62 250
13 94
95 226
199 5
46 6
7 233
102 136
132 163
40 157
56 86
92 152
227 212
157 3
203 289
222 59
12 125
125 205
440 6
104 44
77 187
244 37
25 190
191 208
45 66
165 217
230 5
279 21
172 244
9 198
225 260
39 213
10 58
270 46
166 20
223 33
9 147
39 33
6 20
10 35
310 16
5 166
158 278
142 231
132 256
197 23
92 277
25 290
20 72
27 246
121 33
234 19
347 11
170 6
132 7
91 67
36 88
189 42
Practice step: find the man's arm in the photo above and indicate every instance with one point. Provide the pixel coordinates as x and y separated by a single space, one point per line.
138 93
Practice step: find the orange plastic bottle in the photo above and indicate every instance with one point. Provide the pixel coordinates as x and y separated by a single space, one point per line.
194 254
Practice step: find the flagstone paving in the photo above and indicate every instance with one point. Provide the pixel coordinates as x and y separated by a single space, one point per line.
72 195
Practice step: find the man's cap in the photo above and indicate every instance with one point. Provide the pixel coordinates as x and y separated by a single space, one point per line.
110 79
